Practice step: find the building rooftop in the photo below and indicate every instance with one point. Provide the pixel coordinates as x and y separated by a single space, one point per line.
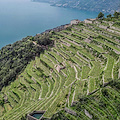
91 19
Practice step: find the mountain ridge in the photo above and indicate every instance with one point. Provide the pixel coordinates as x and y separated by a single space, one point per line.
106 6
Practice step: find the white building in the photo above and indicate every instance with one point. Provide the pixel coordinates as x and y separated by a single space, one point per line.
75 22
89 21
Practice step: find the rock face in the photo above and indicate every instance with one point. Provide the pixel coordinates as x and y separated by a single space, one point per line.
106 6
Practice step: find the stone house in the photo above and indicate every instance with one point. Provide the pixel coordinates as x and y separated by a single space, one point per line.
89 21
75 22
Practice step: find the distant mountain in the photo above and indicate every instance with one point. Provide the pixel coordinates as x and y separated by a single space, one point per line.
106 6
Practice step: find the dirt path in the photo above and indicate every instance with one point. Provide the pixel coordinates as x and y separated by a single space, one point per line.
119 74
73 97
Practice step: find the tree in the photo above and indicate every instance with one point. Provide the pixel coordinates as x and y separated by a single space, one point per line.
109 16
116 14
2 102
24 117
68 28
100 15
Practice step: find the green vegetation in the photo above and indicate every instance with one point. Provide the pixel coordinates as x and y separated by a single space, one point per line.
77 79
102 105
14 58
85 72
100 15
116 14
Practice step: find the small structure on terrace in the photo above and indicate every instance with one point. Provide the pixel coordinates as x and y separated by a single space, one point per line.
60 67
89 21
36 115
75 22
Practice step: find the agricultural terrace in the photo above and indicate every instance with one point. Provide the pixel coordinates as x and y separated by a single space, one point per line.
84 58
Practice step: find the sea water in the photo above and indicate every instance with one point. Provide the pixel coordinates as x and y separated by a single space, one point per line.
21 18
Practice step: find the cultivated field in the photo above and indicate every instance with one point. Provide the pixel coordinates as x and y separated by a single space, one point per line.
83 59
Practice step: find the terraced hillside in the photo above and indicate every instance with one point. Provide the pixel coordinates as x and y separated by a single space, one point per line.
84 59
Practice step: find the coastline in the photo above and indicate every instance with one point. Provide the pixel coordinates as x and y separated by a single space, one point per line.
86 8
44 17
55 29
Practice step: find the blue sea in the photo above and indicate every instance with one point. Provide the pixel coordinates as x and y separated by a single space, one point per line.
21 18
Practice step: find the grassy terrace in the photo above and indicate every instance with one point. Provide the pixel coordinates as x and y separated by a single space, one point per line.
96 69
80 62
107 44
85 72
108 73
